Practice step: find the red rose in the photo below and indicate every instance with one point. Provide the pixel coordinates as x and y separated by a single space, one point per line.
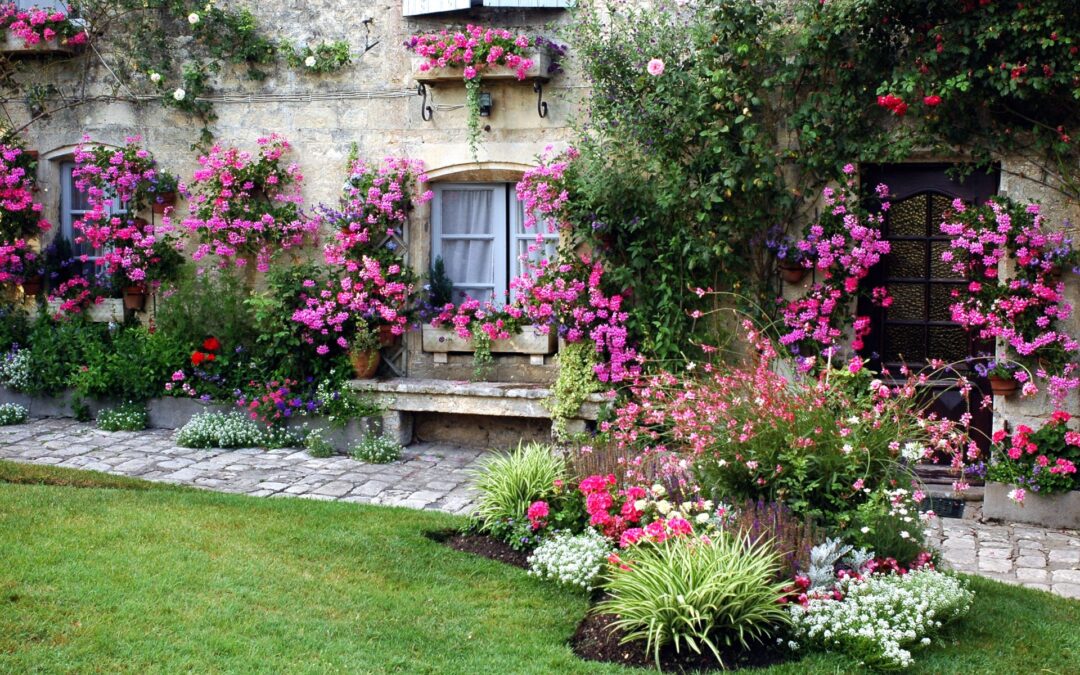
211 344
210 357
932 101
197 358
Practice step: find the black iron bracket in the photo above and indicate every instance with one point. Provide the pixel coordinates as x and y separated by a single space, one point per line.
426 113
541 104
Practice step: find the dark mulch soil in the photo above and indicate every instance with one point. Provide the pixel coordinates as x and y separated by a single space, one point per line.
482 545
595 641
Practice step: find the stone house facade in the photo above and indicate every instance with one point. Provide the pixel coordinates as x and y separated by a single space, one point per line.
375 104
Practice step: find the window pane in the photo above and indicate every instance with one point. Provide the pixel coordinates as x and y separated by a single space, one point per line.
909 302
905 343
469 261
908 218
948 343
467 212
542 251
941 299
482 293
939 268
907 259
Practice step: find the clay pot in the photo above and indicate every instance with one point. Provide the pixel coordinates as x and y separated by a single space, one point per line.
163 202
386 336
134 298
32 285
364 363
790 273
1003 386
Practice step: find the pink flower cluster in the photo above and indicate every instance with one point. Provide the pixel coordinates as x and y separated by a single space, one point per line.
610 512
475 49
126 174
74 296
37 25
22 214
543 193
841 247
15 258
243 206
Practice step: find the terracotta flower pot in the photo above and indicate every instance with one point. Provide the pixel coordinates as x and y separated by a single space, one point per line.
1003 386
32 285
364 364
134 298
163 202
386 336
791 273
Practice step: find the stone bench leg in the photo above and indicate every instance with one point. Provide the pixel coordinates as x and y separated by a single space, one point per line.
398 426
572 428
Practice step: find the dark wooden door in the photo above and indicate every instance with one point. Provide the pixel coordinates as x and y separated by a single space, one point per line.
918 326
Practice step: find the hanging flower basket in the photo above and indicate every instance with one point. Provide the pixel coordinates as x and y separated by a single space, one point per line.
791 273
135 298
1003 386
163 202
364 363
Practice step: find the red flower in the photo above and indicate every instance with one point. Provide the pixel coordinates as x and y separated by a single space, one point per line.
197 358
932 101
210 357
211 344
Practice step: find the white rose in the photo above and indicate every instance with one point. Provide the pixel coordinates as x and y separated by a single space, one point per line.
155 77
310 61
179 94
193 18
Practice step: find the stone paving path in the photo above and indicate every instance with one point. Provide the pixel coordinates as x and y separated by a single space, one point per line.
436 476
429 476
1034 557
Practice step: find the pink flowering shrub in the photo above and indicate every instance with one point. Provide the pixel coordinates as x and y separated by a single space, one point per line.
145 253
245 206
1041 461
841 247
369 285
35 26
74 296
21 218
1024 310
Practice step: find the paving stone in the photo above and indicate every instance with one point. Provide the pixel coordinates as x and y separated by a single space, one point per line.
334 489
1064 557
1066 576
995 565
1031 561
1067 590
1028 574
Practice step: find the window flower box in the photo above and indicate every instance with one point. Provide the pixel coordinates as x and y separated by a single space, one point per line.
530 340
13 45
1059 510
109 309
541 62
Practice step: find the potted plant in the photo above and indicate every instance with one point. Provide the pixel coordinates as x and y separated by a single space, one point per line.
164 192
1001 375
1032 475
364 352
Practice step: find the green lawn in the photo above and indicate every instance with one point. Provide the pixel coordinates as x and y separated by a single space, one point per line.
138 577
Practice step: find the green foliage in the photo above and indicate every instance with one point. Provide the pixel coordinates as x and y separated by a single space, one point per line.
58 349
212 303
703 596
12 413
129 416
316 445
376 449
509 482
890 525
340 403
131 363
325 57
440 289
14 326
576 380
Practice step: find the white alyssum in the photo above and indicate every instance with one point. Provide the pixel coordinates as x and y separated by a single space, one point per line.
880 618
12 413
15 369
220 430
571 559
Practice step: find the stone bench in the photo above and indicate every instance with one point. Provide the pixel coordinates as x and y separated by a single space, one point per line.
402 398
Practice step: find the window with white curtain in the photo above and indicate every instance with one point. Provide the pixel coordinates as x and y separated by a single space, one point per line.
73 205
478 230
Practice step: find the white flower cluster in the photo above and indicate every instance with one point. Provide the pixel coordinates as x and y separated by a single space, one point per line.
571 559
881 617
12 413
220 430
15 369
375 449
128 417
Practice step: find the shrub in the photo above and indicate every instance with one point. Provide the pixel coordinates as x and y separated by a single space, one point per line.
376 449
571 559
212 303
510 482
130 363
12 413
890 525
220 430
316 445
698 593
881 617
58 349
125 417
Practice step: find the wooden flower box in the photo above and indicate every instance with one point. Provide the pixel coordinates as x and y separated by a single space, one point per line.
444 340
451 74
109 309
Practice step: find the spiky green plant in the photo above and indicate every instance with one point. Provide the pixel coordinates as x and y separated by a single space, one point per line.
509 482
711 595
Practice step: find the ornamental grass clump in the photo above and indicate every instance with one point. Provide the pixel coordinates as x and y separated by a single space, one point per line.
576 560
702 594
880 618
510 482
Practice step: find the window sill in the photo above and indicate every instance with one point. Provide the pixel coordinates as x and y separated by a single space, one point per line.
455 74
13 46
